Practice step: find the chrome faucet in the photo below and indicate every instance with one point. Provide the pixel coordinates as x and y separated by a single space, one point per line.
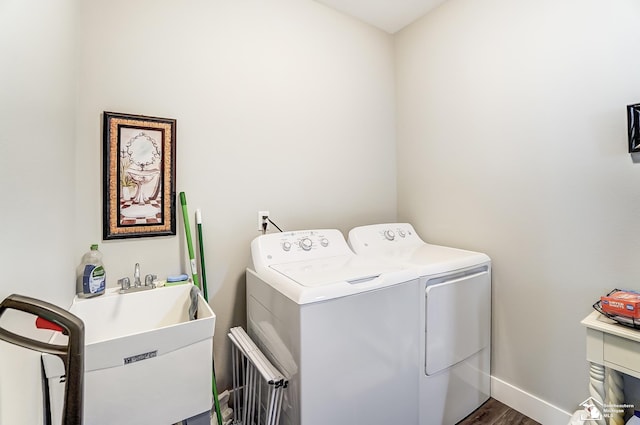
126 286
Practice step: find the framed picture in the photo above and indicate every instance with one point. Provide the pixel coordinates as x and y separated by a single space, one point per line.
633 127
139 156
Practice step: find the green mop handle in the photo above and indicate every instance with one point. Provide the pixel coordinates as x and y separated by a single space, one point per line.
187 230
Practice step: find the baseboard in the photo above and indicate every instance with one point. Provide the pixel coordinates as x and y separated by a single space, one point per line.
528 404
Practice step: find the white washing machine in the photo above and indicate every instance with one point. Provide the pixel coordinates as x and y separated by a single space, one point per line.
342 328
455 306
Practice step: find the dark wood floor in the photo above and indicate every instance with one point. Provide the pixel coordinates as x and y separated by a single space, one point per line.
495 413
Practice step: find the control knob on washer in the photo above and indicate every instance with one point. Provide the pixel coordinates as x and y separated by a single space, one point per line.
324 242
306 244
286 245
389 235
402 233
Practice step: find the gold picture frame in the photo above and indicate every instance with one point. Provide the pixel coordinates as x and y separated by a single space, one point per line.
139 154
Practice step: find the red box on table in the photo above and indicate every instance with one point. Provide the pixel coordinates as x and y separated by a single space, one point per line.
621 303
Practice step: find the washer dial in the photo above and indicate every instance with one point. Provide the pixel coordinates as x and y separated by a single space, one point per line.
306 244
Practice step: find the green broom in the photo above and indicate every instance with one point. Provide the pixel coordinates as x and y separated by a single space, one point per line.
194 274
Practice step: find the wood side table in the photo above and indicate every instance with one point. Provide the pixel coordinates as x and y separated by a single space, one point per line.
612 349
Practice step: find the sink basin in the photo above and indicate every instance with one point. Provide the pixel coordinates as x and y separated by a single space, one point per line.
145 361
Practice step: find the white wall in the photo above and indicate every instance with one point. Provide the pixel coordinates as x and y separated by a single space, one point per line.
37 157
512 141
284 105
281 105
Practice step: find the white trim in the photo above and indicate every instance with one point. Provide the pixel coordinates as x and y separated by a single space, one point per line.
528 404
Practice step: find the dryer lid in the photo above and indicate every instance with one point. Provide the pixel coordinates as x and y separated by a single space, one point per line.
399 242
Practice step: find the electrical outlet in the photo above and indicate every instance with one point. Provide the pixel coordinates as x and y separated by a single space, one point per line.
262 221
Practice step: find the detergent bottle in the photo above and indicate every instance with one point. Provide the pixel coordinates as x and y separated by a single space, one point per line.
91 278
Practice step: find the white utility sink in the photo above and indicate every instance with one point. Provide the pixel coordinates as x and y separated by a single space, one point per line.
145 361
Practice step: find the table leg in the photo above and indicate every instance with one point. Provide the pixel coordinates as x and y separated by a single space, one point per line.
615 395
596 387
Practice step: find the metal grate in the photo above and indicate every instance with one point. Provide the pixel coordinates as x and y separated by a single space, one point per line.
258 387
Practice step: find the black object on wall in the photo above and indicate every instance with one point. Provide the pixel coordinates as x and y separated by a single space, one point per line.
633 122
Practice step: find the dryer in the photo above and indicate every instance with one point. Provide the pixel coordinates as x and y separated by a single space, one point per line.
455 318
342 328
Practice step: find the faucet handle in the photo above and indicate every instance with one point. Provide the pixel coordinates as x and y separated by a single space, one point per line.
150 279
125 283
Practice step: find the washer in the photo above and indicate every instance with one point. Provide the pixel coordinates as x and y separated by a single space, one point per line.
455 318
340 327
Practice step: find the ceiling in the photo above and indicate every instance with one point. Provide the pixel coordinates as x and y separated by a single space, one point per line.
388 15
